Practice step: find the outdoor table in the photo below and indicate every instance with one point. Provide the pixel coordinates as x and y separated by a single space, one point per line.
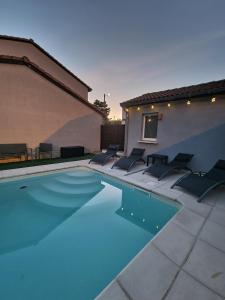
159 157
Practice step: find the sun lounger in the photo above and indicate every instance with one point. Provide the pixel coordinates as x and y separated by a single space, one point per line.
200 184
103 158
160 170
126 163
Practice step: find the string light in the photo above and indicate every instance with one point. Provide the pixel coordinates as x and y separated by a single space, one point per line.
169 105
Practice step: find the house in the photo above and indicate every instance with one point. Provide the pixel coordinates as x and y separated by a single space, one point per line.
189 119
42 101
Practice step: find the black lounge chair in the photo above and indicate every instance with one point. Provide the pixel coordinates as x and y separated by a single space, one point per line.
199 185
14 151
103 158
160 170
45 148
126 163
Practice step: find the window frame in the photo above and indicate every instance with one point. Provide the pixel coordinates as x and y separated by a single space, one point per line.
143 138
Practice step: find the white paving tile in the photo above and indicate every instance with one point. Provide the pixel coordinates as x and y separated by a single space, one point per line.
32 170
210 201
139 176
144 184
112 292
13 173
214 234
190 202
220 197
207 264
149 275
189 221
150 178
186 288
150 185
218 215
174 242
216 197
167 192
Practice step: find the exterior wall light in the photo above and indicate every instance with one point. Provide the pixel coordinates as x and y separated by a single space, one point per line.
213 99
152 107
138 108
127 110
169 105
188 102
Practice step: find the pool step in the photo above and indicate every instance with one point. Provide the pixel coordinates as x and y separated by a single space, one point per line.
81 175
76 185
59 199
76 181
65 189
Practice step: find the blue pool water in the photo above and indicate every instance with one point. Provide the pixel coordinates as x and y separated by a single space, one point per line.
65 236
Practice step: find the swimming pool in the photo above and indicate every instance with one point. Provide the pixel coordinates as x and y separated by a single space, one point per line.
66 235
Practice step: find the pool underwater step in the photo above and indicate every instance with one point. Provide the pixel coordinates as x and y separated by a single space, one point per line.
58 198
81 175
59 201
76 181
64 189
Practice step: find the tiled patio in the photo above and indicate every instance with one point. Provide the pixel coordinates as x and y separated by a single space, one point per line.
186 260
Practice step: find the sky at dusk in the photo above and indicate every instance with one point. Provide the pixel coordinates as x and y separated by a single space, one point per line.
126 48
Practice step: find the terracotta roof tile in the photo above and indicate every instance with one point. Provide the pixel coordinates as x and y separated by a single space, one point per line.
199 90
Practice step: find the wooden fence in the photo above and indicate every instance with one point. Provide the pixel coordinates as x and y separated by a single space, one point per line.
112 134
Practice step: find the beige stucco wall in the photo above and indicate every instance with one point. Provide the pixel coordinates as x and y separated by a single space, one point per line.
20 49
179 122
33 110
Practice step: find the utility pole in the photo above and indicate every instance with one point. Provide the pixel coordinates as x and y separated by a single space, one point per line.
108 94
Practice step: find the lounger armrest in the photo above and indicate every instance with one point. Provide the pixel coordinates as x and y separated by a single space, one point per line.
180 179
197 173
201 173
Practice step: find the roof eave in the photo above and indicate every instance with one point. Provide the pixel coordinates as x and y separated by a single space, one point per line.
126 104
31 41
5 59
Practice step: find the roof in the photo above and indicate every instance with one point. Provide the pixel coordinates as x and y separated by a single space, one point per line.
199 90
6 59
31 41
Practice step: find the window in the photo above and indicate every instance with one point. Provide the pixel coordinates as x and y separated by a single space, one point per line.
150 124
